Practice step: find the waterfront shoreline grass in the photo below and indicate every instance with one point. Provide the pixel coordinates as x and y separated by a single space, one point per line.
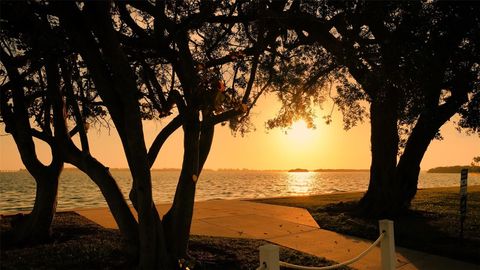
432 224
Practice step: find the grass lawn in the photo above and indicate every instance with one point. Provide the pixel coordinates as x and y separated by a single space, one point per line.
79 243
432 225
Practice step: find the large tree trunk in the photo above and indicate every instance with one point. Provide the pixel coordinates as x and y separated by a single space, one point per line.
423 133
378 200
111 192
114 198
177 221
35 227
153 251
408 167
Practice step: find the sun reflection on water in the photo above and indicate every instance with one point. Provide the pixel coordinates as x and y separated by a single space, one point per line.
300 182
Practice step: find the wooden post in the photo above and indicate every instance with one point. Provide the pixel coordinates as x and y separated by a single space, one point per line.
387 245
463 199
269 257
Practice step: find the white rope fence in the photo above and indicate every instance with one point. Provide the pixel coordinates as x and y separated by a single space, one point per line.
269 254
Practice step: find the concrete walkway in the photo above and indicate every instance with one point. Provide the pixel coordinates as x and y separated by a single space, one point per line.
290 227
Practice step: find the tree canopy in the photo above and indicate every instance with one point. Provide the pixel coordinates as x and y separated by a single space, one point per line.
416 63
86 63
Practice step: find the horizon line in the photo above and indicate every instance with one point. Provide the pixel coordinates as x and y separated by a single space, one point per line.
228 169
243 169
207 169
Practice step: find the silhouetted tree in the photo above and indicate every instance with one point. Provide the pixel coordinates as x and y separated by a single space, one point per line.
151 60
416 63
34 227
35 88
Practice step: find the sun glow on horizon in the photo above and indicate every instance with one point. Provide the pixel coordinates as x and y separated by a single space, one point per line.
298 146
300 134
327 146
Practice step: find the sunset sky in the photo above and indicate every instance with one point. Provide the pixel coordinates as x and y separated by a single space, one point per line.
327 146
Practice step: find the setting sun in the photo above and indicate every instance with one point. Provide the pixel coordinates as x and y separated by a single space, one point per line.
300 134
299 145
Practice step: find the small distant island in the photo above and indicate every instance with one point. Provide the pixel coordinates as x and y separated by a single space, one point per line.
298 170
454 169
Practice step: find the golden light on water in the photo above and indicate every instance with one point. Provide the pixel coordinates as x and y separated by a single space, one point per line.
300 182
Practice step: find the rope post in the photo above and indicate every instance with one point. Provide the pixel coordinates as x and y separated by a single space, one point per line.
387 245
269 256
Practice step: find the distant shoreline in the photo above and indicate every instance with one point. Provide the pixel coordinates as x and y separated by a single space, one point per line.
445 169
454 169
221 170
449 169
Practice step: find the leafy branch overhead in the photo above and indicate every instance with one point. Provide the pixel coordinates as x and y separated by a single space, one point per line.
68 66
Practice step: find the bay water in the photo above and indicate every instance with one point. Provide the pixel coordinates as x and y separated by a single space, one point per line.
76 190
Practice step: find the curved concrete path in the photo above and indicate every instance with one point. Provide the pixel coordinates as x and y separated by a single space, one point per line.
290 227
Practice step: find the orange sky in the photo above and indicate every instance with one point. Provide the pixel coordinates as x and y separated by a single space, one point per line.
327 146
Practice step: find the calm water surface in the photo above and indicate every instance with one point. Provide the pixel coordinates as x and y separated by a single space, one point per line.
76 190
